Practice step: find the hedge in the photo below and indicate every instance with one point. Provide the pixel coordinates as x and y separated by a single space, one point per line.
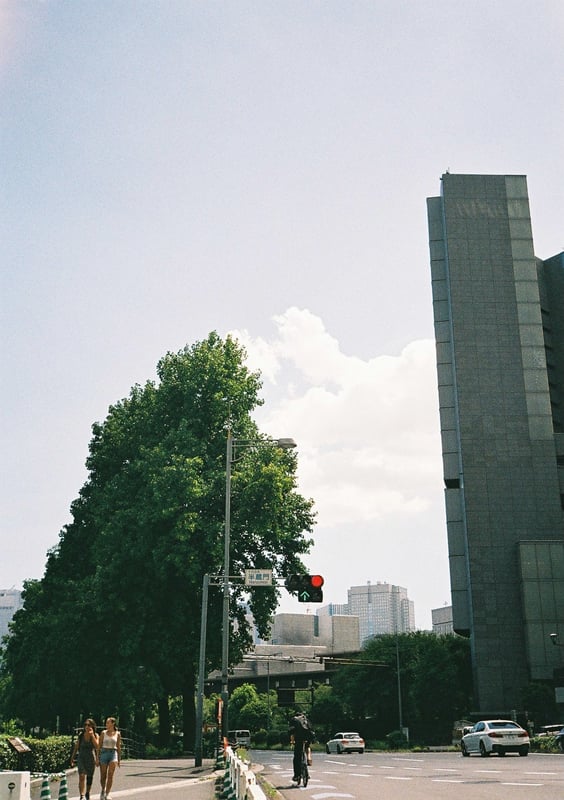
46 755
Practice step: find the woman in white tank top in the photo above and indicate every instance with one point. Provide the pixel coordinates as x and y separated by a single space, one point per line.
109 756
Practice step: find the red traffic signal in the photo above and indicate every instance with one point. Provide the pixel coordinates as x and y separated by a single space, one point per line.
308 587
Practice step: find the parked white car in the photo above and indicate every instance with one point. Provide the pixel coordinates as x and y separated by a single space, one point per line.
499 736
345 743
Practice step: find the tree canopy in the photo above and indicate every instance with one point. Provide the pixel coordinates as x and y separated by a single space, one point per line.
114 624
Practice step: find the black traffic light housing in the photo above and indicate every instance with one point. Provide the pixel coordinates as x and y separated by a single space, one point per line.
308 587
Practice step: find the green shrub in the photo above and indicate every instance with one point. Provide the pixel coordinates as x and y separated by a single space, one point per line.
174 750
46 755
377 744
396 740
9 759
259 738
273 738
544 744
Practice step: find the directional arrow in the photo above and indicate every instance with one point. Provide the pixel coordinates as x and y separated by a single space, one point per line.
305 596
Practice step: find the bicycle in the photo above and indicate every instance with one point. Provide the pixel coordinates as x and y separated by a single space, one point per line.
304 775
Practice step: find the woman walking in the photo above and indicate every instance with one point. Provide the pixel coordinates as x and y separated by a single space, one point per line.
109 756
86 749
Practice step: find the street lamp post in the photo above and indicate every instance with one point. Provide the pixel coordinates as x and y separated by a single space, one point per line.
400 710
226 563
284 444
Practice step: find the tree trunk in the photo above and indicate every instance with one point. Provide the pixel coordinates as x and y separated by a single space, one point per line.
189 713
164 721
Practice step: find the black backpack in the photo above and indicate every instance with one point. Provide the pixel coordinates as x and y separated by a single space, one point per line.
302 728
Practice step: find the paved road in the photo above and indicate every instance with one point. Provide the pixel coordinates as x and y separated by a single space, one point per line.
174 779
425 776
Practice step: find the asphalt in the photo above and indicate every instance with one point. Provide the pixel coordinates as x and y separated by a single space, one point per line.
134 777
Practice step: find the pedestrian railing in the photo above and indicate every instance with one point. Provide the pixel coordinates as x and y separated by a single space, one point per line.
240 782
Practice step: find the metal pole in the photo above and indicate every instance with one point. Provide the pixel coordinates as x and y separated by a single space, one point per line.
268 694
201 674
400 713
225 628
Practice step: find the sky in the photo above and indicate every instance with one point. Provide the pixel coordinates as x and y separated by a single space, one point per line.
261 169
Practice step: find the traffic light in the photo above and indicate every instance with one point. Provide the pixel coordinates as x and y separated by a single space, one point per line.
308 587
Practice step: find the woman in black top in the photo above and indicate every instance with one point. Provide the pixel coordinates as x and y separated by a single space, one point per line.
86 748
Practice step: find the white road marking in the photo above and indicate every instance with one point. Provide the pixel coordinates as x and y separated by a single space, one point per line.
397 778
325 786
522 784
176 785
541 773
398 758
446 780
330 794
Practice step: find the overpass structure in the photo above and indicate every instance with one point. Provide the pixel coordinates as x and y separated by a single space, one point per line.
288 669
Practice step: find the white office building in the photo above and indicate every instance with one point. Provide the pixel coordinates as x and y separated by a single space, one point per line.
10 602
381 608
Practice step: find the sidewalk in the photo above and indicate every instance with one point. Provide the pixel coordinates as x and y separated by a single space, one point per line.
137 776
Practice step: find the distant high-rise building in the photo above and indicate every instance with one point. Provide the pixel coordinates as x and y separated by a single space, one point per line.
381 608
499 330
10 602
333 610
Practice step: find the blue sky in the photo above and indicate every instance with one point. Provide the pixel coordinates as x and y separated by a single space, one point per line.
172 168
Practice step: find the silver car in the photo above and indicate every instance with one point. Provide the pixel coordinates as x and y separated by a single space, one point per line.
345 743
499 736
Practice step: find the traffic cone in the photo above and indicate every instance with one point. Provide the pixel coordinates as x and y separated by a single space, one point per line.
219 759
45 790
63 788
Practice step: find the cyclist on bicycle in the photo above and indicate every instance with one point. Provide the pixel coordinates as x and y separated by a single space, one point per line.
301 736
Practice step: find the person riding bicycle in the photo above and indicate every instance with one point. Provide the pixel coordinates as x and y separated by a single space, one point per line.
301 736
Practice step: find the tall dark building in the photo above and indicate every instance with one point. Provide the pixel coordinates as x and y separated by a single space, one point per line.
499 330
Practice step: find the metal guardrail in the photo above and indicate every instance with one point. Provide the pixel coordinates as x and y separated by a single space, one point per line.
132 745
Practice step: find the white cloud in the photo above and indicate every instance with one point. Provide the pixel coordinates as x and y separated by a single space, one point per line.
367 430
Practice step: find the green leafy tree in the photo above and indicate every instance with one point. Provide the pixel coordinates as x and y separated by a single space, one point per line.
538 699
327 713
125 580
435 681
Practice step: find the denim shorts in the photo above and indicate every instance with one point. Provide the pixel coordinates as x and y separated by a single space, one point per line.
107 755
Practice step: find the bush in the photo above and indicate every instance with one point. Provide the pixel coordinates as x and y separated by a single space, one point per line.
396 740
259 738
209 744
544 744
174 750
47 755
273 738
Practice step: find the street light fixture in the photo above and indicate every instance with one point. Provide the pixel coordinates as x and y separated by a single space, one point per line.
284 444
554 640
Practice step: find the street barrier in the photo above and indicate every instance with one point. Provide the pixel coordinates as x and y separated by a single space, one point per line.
240 782
14 785
63 788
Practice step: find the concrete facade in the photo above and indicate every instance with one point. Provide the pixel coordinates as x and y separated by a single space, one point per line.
499 330
337 634
442 621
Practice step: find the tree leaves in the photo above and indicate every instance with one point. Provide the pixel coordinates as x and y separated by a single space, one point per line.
124 582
